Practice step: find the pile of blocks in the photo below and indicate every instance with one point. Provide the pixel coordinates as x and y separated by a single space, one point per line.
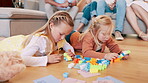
92 65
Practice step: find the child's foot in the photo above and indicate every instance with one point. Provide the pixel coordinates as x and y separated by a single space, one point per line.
118 36
143 36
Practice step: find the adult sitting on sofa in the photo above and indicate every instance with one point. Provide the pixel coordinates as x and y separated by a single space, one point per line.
66 5
114 6
89 12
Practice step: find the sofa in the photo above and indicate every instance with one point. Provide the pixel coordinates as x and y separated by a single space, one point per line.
127 27
15 21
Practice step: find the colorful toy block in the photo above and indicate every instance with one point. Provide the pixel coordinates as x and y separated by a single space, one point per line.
67 57
71 65
76 60
94 68
124 53
65 75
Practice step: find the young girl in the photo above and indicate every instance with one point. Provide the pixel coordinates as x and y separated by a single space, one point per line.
36 49
93 41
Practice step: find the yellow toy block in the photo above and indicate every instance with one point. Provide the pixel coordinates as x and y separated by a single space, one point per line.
117 60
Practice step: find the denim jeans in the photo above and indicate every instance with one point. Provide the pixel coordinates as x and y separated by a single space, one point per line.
119 9
88 12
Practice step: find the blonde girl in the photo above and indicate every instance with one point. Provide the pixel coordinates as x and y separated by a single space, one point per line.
36 49
93 41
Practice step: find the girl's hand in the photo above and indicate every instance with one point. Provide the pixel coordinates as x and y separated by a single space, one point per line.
111 56
71 54
54 58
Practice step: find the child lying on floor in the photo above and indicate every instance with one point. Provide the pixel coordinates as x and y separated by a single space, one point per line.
93 41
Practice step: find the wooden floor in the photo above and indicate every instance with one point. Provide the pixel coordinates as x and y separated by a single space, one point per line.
133 70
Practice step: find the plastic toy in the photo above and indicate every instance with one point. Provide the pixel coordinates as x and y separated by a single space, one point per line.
65 75
71 65
67 57
124 53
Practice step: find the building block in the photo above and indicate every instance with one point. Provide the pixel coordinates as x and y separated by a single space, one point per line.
65 75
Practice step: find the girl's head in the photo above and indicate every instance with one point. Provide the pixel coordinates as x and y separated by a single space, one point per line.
58 26
101 28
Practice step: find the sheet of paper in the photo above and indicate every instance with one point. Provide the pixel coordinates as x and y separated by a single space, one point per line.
87 74
47 79
110 78
72 80
113 79
103 81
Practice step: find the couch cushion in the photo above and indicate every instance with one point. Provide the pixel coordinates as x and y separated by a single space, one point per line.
21 13
31 4
41 5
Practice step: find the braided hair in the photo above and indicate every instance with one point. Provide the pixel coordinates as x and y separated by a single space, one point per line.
56 18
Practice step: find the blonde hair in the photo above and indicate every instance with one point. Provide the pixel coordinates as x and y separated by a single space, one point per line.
56 18
95 26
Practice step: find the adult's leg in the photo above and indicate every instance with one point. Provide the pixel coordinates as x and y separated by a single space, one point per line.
49 9
80 26
88 12
85 18
101 4
120 16
141 13
131 17
93 7
73 12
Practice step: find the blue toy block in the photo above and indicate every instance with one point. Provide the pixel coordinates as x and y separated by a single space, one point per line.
87 58
99 61
77 56
65 75
124 53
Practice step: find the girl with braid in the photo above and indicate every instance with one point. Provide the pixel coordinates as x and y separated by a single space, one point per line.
37 48
94 40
